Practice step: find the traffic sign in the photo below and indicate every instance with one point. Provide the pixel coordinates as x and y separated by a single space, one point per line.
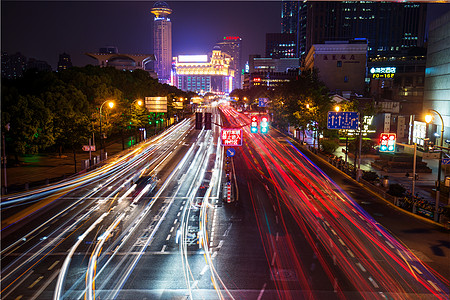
343 120
262 102
231 152
231 137
446 161
387 142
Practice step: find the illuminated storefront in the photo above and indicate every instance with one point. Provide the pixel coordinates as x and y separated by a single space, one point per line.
204 74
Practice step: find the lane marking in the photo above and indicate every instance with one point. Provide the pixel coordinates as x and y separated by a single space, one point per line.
214 255
262 291
390 245
168 237
45 285
171 229
434 285
361 267
373 282
52 266
35 282
350 253
417 270
205 268
273 258
175 222
178 213
163 248
341 241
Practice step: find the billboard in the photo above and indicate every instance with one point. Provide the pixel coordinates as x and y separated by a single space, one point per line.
156 104
231 137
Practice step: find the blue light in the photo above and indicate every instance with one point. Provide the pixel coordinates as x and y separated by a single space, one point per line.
254 129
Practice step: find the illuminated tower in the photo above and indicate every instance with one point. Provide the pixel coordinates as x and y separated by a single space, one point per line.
162 40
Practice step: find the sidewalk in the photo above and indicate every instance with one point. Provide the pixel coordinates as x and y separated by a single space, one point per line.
41 169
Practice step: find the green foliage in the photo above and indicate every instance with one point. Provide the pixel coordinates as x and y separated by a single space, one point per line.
329 146
396 190
62 109
368 146
370 175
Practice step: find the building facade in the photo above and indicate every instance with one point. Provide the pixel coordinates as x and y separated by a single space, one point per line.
232 45
13 65
204 73
162 40
270 72
64 62
437 74
341 65
281 45
388 27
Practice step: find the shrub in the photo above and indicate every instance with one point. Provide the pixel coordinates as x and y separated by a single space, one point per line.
370 176
396 190
329 146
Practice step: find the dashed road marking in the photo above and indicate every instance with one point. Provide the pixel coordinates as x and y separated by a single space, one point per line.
390 245
373 282
434 285
417 270
168 237
53 265
35 282
361 267
163 248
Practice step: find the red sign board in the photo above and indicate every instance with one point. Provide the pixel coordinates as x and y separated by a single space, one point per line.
231 137
387 142
86 147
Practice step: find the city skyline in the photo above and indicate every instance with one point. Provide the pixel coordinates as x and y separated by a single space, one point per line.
50 30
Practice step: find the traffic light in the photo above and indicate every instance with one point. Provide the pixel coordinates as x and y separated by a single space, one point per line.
387 142
208 121
254 124
264 124
198 120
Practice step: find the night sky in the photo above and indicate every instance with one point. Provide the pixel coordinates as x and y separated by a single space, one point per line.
44 29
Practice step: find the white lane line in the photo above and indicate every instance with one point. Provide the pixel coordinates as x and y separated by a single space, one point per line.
276 219
274 208
361 267
341 241
178 214
220 244
205 268
273 258
334 232
261 292
52 266
163 248
389 244
328 224
373 282
171 229
434 285
181 208
168 237
214 255
350 253
276 237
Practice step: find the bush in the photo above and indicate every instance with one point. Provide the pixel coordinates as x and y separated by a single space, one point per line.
396 190
329 146
370 176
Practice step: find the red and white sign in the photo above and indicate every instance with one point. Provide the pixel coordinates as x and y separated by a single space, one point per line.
231 137
228 193
254 121
86 148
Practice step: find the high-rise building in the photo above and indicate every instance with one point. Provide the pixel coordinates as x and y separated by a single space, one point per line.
64 62
389 27
38 65
13 65
232 46
289 16
437 75
281 45
162 40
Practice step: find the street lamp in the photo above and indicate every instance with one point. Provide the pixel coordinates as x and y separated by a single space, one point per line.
428 119
337 108
139 103
111 105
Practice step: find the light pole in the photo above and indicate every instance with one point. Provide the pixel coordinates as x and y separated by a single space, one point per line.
428 119
140 103
111 105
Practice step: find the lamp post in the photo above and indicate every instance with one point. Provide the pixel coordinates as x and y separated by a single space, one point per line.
140 103
428 119
111 105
